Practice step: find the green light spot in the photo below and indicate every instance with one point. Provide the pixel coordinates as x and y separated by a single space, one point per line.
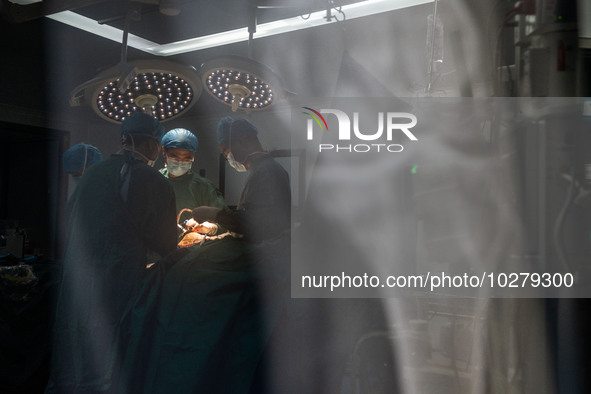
559 17
414 169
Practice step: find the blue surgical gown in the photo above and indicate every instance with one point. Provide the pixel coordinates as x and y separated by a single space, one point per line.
121 212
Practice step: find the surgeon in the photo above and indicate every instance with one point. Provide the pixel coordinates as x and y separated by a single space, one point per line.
264 209
191 190
120 218
79 157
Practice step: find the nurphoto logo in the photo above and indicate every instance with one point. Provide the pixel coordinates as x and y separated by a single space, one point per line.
389 125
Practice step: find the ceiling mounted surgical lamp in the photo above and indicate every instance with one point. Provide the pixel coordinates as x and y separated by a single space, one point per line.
160 88
241 83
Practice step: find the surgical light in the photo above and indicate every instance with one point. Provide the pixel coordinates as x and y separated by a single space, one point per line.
241 83
160 88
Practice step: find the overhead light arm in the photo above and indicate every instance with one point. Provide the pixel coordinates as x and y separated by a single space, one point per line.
125 36
252 25
127 72
329 7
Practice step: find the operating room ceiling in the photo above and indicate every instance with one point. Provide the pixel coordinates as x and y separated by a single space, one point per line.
167 21
44 59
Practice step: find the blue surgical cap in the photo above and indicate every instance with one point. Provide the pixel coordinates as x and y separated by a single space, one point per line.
80 156
141 123
237 128
181 139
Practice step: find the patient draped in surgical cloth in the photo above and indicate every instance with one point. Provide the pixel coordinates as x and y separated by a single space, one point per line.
200 324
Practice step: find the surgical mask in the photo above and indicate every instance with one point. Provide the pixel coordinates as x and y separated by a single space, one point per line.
178 167
235 164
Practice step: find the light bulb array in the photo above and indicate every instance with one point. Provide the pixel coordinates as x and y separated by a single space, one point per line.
167 94
239 89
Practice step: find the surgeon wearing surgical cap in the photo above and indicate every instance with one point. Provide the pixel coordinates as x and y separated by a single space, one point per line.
264 209
79 157
120 219
191 190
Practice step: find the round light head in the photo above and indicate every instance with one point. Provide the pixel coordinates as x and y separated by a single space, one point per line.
159 88
241 83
